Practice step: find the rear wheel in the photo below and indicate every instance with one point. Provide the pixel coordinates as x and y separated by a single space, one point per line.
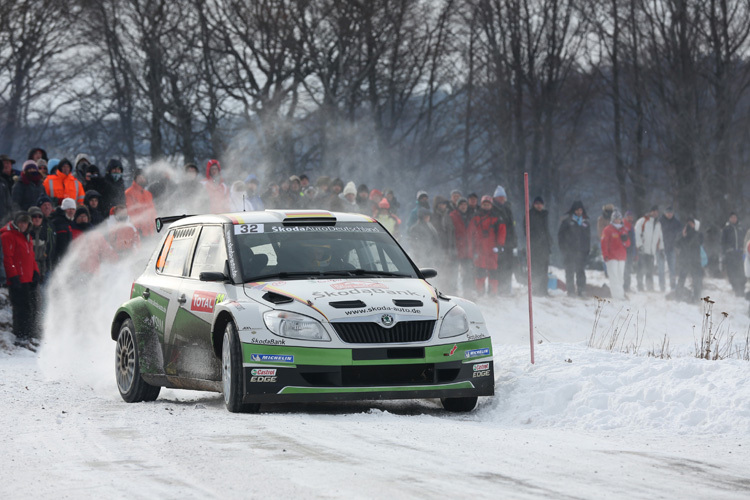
127 370
231 373
459 404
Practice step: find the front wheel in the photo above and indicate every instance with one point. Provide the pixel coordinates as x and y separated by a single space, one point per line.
460 405
231 373
127 370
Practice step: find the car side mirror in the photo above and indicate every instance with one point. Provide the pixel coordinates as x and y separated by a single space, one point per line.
212 276
428 273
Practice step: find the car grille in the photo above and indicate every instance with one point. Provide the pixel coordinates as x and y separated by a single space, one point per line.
373 333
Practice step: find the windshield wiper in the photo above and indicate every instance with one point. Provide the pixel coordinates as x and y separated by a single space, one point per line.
363 272
285 275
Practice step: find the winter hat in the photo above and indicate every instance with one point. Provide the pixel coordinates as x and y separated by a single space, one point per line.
655 207
82 210
486 198
7 158
115 163
338 182
472 195
384 204
499 192
251 177
29 165
578 204
42 200
462 200
62 163
210 164
136 173
362 188
35 211
81 157
616 215
629 213
669 209
34 150
41 163
239 187
455 191
538 199
52 164
609 207
188 166
93 170
376 193
21 217
293 178
350 188
421 193
323 180
68 203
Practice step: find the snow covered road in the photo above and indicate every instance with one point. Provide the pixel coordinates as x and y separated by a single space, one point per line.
580 423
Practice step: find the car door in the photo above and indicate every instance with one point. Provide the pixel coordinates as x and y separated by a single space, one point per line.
197 300
161 290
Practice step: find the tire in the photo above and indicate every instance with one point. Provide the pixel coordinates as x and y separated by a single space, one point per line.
231 373
131 385
459 405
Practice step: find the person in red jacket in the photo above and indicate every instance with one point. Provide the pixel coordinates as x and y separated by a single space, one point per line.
22 275
218 193
461 219
615 243
486 239
140 204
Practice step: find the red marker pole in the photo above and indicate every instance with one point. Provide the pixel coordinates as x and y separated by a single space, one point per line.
528 264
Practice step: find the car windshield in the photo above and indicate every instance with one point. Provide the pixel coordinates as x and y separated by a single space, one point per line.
362 249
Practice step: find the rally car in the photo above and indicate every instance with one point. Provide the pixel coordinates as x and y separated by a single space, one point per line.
279 306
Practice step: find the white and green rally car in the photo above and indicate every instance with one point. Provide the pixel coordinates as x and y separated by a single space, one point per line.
281 306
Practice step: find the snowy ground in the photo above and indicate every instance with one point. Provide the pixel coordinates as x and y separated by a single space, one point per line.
580 423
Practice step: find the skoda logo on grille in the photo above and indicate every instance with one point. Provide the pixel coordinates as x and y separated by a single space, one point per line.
387 320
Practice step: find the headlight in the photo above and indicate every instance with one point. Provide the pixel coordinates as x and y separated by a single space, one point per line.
454 323
294 326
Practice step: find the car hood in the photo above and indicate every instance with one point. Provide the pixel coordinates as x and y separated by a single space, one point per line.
350 300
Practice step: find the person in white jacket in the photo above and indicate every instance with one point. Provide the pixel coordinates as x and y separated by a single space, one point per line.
650 243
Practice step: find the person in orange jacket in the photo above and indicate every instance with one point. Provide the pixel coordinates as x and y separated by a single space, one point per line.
487 234
60 184
218 193
22 275
140 204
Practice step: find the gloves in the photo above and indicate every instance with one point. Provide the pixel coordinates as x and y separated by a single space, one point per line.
15 283
36 279
624 237
496 250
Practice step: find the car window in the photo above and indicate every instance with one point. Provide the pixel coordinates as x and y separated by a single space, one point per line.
173 254
210 252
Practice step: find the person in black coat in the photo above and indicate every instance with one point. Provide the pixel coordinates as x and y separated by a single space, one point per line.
541 245
113 191
93 201
671 227
732 252
688 246
29 187
574 239
61 220
506 261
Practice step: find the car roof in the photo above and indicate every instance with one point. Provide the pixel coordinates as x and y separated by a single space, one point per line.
272 216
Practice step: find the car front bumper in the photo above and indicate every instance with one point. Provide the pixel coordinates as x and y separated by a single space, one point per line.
301 374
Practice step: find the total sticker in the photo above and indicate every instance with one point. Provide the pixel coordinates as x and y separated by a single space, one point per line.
248 228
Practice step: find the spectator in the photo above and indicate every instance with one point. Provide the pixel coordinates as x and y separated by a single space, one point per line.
114 187
670 227
215 189
6 184
61 224
486 236
632 252
506 259
122 235
393 202
29 188
292 197
375 196
615 242
81 222
423 238
363 199
386 218
42 165
574 240
649 240
473 200
22 276
140 204
60 184
335 203
37 154
304 182
252 192
92 201
423 201
688 247
81 166
604 219
349 198
732 250
462 250
94 179
541 246
44 241
271 197
45 204
455 196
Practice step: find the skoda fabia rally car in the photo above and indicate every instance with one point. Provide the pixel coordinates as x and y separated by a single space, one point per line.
302 306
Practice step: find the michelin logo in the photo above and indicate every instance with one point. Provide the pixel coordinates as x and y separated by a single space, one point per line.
279 358
475 353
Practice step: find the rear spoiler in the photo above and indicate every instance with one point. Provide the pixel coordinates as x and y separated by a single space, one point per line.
161 221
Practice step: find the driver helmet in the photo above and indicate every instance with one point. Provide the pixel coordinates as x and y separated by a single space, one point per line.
320 253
